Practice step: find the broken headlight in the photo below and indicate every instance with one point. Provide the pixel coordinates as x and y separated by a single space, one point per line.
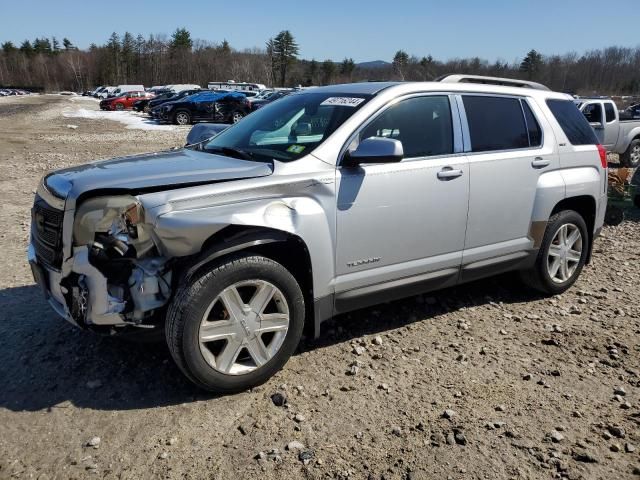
115 220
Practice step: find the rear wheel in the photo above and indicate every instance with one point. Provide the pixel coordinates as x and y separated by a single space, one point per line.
237 116
562 254
235 325
119 106
182 118
631 158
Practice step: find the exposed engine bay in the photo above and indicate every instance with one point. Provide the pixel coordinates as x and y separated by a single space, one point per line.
117 277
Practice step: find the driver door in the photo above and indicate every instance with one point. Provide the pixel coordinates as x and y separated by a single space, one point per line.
401 226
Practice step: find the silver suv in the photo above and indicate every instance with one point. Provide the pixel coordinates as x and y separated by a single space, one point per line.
326 201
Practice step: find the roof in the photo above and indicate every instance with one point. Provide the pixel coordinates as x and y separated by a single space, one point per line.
400 88
363 88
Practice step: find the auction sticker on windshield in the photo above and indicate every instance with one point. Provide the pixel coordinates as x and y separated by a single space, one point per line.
343 101
296 148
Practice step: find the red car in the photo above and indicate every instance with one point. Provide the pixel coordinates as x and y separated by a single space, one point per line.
124 101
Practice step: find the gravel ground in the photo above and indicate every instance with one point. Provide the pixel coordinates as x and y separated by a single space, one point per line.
484 381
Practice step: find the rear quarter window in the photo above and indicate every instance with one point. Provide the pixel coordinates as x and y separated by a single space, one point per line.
572 122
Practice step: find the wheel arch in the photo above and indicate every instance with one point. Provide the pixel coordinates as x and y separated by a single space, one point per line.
286 248
585 206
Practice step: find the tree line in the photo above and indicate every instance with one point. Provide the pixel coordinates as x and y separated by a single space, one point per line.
159 59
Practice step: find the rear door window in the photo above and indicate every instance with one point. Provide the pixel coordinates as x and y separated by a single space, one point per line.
573 122
422 124
495 123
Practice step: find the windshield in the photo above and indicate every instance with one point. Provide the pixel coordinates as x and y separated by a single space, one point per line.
289 128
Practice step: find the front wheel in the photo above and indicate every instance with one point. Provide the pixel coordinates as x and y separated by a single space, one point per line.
233 326
182 118
631 158
119 106
562 254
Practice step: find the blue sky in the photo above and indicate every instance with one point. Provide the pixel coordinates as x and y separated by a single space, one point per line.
363 30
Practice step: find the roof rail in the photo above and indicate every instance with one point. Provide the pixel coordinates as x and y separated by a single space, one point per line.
507 82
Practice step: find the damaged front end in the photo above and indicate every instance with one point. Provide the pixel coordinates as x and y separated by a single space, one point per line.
112 277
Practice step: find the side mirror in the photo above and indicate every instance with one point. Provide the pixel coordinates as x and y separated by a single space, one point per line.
204 131
597 125
375 150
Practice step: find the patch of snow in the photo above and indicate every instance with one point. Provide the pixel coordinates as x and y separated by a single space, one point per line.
130 119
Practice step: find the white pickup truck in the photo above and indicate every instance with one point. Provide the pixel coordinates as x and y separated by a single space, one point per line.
615 134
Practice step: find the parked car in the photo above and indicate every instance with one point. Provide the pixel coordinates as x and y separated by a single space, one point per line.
106 92
212 106
124 101
327 201
272 97
143 105
120 89
616 135
179 87
154 104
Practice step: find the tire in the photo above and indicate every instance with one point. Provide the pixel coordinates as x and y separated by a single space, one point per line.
182 117
613 216
119 107
631 157
236 116
539 276
228 364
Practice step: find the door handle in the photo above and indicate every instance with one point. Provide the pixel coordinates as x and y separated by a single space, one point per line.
540 162
448 173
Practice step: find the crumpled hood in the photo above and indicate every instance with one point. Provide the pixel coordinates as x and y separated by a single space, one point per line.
169 169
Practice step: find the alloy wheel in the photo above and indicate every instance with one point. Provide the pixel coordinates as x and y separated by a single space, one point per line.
182 118
244 327
237 116
635 155
564 253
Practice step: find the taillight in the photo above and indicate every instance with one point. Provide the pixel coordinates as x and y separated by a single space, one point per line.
603 156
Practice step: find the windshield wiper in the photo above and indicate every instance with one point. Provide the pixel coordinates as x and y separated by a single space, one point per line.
231 152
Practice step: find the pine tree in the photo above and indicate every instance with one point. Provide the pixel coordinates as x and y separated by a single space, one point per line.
284 51
328 70
27 48
66 43
55 45
181 40
347 67
400 62
531 64
8 47
225 48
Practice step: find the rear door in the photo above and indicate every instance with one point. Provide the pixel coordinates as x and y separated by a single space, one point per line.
507 154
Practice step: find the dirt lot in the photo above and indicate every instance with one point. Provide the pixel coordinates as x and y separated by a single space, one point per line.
534 387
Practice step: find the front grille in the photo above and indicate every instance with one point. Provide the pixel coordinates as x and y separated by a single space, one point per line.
46 232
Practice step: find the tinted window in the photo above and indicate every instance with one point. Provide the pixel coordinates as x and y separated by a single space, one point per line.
495 123
609 112
593 113
422 124
533 127
572 122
